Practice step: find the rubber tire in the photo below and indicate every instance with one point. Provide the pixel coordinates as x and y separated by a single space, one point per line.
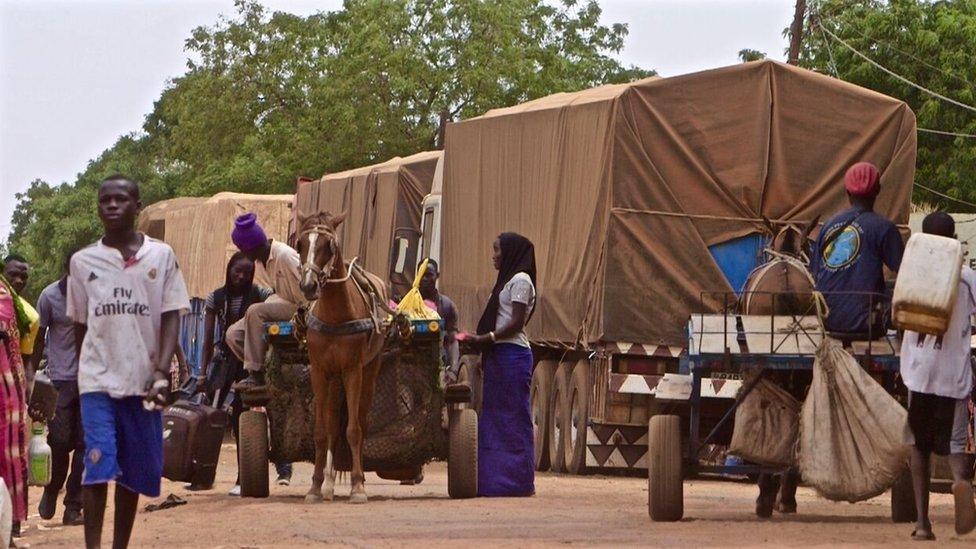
462 459
665 489
558 424
253 464
470 374
577 418
903 499
540 395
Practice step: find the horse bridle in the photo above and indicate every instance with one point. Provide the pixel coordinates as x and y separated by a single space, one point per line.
323 277
322 274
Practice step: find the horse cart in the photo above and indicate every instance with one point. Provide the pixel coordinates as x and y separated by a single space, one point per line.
412 421
746 348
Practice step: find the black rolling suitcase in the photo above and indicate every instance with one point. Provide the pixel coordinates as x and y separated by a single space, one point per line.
192 435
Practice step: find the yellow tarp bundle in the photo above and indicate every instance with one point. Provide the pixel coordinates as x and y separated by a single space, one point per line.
413 304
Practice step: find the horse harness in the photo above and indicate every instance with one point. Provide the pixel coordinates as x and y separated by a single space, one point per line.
363 284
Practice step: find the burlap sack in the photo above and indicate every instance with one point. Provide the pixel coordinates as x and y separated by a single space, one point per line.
767 424
852 444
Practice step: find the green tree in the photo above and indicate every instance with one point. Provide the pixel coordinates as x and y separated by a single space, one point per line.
270 96
929 43
273 97
746 55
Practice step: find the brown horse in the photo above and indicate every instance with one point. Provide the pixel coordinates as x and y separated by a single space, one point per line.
344 343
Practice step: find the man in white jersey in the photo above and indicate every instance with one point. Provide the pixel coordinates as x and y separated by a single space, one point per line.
126 295
937 372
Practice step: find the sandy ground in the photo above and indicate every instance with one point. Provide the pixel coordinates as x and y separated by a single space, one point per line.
581 511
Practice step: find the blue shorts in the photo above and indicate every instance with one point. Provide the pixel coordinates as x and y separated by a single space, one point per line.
123 442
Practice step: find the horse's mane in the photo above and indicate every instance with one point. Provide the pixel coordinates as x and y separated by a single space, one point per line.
318 218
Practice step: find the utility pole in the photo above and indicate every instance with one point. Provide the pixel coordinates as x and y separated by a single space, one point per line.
796 31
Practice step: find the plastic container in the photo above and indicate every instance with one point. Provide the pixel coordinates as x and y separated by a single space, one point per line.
928 279
44 397
39 457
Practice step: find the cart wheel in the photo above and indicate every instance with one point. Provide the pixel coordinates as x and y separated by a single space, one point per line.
540 395
559 424
462 459
665 492
253 446
903 499
577 418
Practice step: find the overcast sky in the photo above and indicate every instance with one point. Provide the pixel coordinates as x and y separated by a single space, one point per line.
76 74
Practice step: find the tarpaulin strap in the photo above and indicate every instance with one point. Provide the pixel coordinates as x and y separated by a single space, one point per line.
756 220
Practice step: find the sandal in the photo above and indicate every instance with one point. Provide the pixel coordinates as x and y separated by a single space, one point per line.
965 507
924 535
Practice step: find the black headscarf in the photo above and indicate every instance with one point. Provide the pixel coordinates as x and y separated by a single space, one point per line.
518 256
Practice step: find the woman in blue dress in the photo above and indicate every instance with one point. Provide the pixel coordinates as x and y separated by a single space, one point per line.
506 465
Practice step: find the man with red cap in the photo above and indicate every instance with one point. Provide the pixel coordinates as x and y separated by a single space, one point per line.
848 267
245 338
849 259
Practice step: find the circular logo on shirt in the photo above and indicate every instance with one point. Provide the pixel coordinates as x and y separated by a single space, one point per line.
844 249
152 274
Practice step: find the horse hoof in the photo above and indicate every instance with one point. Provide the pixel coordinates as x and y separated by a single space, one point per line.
328 496
357 498
313 498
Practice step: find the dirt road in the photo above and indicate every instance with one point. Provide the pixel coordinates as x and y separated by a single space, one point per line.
582 511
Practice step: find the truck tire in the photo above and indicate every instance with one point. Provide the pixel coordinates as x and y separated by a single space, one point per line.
253 445
577 418
470 375
558 424
462 459
903 499
540 395
665 491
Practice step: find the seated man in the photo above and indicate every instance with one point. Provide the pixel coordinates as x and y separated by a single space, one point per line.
245 338
851 252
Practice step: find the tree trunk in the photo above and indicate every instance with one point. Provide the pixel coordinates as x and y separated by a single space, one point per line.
441 128
796 32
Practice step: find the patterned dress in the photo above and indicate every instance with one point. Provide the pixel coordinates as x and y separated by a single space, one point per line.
13 448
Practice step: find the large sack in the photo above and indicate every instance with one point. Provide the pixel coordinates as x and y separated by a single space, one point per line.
852 432
767 424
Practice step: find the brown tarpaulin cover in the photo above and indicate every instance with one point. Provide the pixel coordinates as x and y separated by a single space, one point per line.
383 202
152 219
200 235
611 183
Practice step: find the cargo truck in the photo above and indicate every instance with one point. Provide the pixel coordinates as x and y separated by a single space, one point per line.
642 199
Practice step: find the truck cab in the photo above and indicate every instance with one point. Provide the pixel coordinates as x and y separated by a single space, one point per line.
430 222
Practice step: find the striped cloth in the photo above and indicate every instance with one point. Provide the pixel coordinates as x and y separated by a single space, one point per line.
13 448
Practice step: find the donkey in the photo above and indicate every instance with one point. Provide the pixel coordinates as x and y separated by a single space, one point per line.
344 342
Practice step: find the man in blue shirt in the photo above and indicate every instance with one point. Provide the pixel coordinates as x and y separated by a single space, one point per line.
65 432
850 255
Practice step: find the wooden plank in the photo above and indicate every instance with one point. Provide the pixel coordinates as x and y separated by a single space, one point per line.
711 334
